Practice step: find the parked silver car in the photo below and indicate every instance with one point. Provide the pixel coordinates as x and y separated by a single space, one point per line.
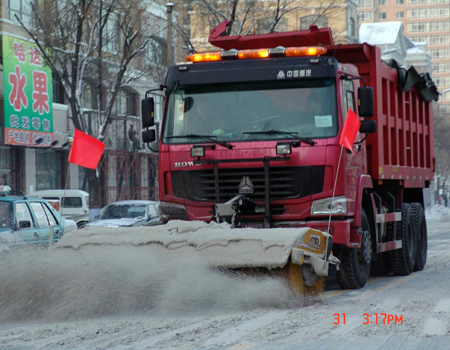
127 214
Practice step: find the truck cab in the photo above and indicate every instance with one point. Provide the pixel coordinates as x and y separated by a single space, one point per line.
268 129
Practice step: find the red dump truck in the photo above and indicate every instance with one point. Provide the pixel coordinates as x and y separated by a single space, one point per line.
250 135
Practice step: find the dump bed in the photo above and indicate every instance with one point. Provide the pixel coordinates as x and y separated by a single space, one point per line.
403 146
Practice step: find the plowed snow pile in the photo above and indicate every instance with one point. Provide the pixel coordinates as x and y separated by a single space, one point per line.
121 279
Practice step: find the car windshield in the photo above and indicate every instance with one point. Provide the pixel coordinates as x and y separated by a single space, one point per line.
5 216
123 211
254 111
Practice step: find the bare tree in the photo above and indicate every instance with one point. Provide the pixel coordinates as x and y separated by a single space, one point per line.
95 40
246 16
442 147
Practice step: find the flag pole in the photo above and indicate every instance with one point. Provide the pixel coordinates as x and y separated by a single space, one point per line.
334 188
65 189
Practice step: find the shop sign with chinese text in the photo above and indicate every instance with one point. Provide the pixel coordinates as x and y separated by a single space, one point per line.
27 94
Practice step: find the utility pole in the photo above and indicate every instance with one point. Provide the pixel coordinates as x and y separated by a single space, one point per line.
169 59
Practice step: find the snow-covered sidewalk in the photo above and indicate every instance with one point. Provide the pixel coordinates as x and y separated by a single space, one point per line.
438 212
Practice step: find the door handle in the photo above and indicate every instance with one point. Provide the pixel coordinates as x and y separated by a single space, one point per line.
35 234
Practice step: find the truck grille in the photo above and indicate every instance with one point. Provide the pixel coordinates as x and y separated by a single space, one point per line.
285 183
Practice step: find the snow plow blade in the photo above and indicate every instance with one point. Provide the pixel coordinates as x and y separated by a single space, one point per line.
302 255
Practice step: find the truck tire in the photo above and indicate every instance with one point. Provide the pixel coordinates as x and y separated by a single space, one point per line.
402 260
355 263
420 226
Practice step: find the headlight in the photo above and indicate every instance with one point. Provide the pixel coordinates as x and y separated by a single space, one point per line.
284 148
325 207
197 151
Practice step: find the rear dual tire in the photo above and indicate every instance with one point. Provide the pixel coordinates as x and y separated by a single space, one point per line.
411 230
402 260
420 226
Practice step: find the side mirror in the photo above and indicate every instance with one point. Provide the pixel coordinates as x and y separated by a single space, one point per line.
149 136
148 112
365 102
368 127
24 224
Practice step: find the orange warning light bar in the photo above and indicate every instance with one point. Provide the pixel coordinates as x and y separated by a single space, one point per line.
250 54
257 54
204 57
305 51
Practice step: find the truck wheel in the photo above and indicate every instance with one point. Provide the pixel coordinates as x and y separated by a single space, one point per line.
355 263
402 260
420 226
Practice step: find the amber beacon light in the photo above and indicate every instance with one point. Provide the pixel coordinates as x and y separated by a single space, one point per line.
257 54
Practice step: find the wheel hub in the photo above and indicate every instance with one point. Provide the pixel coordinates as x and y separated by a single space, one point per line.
366 247
308 275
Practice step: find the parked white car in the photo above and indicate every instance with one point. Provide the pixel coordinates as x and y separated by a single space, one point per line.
75 206
128 213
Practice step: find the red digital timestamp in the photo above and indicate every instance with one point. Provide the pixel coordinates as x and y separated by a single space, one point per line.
375 318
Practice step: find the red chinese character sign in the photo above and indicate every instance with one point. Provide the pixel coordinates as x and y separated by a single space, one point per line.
28 94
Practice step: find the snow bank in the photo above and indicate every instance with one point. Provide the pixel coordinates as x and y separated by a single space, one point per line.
438 212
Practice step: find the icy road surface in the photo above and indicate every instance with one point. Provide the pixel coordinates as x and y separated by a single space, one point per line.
183 306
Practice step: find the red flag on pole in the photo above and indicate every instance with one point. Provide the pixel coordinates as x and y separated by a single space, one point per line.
349 131
86 150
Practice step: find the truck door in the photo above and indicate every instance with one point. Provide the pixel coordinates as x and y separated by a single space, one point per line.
354 164
26 230
348 96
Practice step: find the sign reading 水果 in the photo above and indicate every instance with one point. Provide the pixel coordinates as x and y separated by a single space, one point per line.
27 94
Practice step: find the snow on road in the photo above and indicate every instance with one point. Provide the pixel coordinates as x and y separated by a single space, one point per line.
136 301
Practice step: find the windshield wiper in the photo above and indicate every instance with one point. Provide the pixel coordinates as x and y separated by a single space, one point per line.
206 137
291 134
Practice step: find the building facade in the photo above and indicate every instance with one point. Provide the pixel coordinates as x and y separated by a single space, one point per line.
128 170
424 21
339 15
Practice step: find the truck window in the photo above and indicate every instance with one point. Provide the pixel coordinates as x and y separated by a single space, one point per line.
348 93
226 112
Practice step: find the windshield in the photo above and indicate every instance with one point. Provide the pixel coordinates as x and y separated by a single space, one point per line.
123 211
5 216
244 112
